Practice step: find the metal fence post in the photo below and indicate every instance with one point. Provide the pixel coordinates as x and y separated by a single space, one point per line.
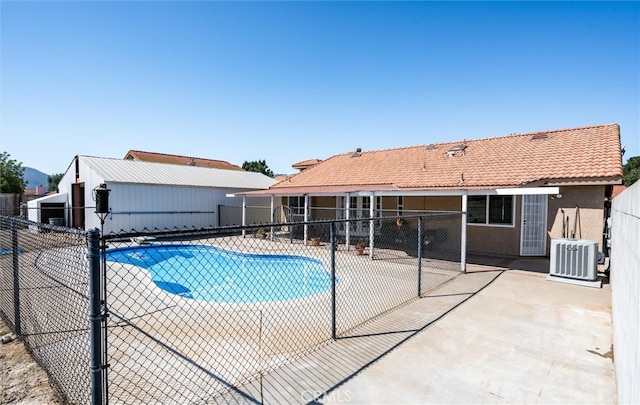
332 243
16 279
95 315
419 256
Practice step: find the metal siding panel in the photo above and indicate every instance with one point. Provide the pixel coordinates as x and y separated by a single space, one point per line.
137 186
185 200
128 171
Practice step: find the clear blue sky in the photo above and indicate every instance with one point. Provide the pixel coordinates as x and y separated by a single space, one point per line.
290 81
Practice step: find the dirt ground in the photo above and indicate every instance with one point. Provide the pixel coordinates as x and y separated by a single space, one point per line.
22 380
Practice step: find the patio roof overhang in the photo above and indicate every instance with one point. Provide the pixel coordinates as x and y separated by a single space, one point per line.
391 190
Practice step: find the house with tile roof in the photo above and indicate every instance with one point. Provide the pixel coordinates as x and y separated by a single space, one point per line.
515 192
141 156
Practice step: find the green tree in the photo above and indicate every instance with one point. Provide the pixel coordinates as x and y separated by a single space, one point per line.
11 175
54 180
259 166
631 171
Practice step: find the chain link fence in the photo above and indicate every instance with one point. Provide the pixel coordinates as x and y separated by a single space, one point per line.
44 299
210 315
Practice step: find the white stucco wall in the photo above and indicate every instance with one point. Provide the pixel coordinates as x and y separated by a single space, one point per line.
625 292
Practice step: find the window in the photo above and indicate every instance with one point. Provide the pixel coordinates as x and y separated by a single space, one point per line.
490 209
501 209
296 203
400 204
477 209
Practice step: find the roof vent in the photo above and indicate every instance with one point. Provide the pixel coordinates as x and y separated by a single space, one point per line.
457 148
432 147
540 135
357 153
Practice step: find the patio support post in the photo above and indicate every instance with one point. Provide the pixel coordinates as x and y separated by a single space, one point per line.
306 218
372 208
16 279
244 216
463 235
419 256
333 278
347 225
95 316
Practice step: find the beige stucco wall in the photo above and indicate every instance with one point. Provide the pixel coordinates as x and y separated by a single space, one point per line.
450 203
496 240
389 204
590 203
323 207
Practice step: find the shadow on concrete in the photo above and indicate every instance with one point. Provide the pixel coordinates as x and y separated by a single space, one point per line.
477 263
320 373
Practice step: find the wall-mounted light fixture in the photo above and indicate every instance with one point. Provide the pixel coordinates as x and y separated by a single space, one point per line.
101 197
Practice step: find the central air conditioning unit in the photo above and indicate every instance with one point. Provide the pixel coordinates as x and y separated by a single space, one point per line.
574 259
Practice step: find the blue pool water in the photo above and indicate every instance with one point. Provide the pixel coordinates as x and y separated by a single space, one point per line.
212 274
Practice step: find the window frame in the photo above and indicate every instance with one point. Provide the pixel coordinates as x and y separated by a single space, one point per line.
487 211
296 209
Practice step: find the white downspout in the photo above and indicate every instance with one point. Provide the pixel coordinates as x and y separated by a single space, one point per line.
272 216
244 216
463 235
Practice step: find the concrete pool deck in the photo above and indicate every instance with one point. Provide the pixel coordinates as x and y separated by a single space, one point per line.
516 339
500 333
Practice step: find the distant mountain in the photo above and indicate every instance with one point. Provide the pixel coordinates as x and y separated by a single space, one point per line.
35 177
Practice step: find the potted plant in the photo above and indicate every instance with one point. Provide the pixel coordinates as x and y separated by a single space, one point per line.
360 245
315 241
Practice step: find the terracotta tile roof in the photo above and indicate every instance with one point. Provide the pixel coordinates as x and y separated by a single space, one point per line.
305 164
576 154
142 156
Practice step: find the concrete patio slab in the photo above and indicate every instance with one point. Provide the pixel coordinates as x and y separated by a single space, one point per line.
521 339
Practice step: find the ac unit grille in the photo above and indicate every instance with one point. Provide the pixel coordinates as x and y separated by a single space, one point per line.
574 258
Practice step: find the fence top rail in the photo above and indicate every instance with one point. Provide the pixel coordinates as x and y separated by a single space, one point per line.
4 219
122 234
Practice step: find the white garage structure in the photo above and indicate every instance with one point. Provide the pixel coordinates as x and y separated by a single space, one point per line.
146 195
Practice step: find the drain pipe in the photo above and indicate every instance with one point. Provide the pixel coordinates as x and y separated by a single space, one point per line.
244 216
577 223
272 217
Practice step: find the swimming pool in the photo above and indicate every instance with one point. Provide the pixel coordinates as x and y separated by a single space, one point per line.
212 274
